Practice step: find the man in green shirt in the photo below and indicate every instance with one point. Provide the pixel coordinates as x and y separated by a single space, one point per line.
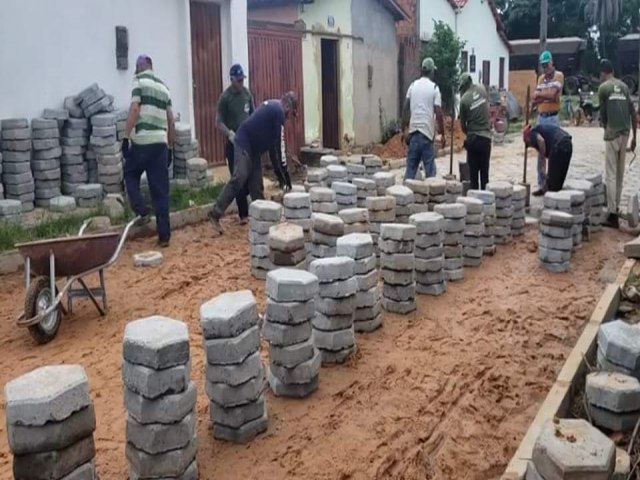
618 116
234 107
476 124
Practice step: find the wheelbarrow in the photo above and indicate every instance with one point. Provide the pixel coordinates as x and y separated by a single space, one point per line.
73 258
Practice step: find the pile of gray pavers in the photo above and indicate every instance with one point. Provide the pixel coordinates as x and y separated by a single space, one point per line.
75 170
504 211
16 160
437 192
453 190
337 173
355 170
104 142
333 331
50 424
404 202
586 187
454 227
263 214
325 231
160 399
372 165
613 400
383 181
121 123
294 361
489 212
286 246
420 191
89 195
197 172
519 202
326 160
571 202
429 253
397 267
366 187
323 200
346 194
596 203
472 248
234 372
45 164
381 210
185 148
356 220
316 177
556 240
297 210
93 100
368 311
571 448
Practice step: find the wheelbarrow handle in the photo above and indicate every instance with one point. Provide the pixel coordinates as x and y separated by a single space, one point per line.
123 238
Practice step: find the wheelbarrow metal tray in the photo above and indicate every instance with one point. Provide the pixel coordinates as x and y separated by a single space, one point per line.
73 255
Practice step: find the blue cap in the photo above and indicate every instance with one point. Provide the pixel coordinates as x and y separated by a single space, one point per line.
237 72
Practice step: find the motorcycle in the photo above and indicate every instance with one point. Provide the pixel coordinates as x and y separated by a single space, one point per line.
586 110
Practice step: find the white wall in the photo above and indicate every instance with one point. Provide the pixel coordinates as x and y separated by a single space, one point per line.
434 10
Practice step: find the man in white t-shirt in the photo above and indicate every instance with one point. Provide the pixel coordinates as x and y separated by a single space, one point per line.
424 103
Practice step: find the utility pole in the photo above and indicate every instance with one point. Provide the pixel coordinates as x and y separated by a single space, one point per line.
544 16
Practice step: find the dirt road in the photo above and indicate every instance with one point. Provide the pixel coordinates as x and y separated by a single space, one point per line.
445 393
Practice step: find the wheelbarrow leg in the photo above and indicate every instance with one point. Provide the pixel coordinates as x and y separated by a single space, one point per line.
104 290
91 296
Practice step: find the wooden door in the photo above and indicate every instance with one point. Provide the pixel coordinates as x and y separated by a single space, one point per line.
330 94
501 73
207 77
486 72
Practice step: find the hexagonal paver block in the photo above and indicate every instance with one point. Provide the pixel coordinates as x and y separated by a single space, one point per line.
355 245
317 175
380 204
332 269
501 189
337 171
297 200
576 184
613 391
152 383
228 315
46 394
291 285
344 188
616 422
556 218
398 232
286 237
486 196
156 342
301 373
159 438
326 160
170 464
573 449
403 195
327 224
474 205
165 409
451 210
557 200
620 343
354 215
322 194
147 259
265 210
427 222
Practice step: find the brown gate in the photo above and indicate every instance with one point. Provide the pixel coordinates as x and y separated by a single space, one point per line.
275 67
330 93
207 77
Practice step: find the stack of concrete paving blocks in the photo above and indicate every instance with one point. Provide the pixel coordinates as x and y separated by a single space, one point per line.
587 188
420 191
368 311
297 210
381 210
504 211
93 100
92 164
10 210
327 160
263 214
346 194
429 253
104 143
571 202
453 190
323 200
454 227
404 202
556 240
366 188
287 247
596 203
519 202
372 164
619 348
571 448
337 173
45 165
325 231
89 195
333 332
437 192
121 123
356 220
614 400
60 115
472 249
75 170
294 361
234 372
185 148
383 181
397 267
197 172
160 399
355 170
489 212
316 177
50 424
16 161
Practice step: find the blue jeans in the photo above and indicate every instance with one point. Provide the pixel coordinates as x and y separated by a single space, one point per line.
550 120
152 159
420 150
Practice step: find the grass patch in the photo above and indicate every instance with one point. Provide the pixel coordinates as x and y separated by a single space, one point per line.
182 197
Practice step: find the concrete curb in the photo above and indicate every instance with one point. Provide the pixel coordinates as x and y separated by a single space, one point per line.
558 400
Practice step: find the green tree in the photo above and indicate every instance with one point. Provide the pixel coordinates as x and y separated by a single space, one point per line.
445 47
607 16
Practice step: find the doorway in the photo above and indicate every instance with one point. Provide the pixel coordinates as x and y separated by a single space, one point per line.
330 94
486 73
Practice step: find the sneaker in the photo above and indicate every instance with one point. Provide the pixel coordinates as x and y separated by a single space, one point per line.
143 220
612 221
243 221
539 193
215 223
163 243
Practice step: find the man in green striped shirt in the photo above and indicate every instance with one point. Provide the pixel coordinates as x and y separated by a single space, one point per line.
149 133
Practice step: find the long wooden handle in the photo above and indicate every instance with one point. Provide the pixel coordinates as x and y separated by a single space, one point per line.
526 120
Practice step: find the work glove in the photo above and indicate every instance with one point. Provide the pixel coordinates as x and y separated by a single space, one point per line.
126 148
170 160
231 136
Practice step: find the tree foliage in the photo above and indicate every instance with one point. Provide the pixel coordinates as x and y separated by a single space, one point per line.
445 47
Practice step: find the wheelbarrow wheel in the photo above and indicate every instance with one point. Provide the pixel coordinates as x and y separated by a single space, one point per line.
39 298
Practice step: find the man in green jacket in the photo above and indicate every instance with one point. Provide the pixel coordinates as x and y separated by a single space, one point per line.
475 122
618 116
234 107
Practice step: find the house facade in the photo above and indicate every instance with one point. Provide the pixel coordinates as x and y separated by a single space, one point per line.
54 49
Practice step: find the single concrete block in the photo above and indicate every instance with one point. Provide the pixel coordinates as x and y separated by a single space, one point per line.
336 306
334 340
339 288
156 342
337 172
378 204
17 134
289 313
236 374
398 232
147 259
368 298
344 188
317 175
332 323
620 343
332 269
265 210
365 265
236 417
429 240
394 277
54 464
555 243
322 195
165 409
14 123
429 265
367 281
297 201
302 373
434 289
285 335
90 190
556 218
158 438
403 195
615 392
401 308
356 246
286 237
451 211
10 207
233 350
327 224
397 262
381 216
395 246
281 389
549 255
354 215
168 464
616 422
228 315
291 355
399 293
290 285
151 383
428 223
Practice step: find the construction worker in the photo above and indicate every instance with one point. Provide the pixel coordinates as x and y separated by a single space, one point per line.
422 107
262 132
555 147
618 115
234 107
475 121
148 135
547 99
